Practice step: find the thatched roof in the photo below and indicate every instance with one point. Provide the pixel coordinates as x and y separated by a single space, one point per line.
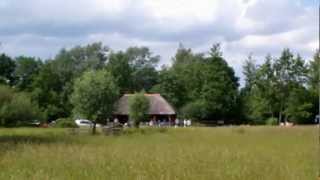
158 105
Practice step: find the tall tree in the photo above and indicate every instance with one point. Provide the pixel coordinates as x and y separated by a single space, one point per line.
314 82
219 89
143 64
277 89
299 106
94 96
250 72
181 82
134 69
264 94
27 68
290 72
47 92
171 87
7 66
54 84
118 65
203 82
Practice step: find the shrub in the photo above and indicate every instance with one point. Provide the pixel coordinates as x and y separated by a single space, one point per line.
272 121
65 123
17 108
6 95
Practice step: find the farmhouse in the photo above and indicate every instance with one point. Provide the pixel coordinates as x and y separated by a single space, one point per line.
159 109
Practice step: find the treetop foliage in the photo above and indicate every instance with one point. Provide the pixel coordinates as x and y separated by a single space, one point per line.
86 80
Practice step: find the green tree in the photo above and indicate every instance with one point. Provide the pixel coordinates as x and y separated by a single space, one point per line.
7 66
145 78
6 95
313 82
219 89
298 107
138 108
118 65
141 57
290 72
261 97
171 87
94 96
134 69
205 82
181 82
313 72
47 92
194 110
17 108
54 83
250 72
27 68
278 89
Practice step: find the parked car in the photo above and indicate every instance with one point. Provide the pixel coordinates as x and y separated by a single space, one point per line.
85 123
34 123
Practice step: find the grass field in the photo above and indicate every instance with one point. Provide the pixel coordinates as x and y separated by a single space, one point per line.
246 153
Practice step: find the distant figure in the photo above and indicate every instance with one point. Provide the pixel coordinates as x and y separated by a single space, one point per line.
289 124
151 123
162 123
316 119
188 122
176 123
184 123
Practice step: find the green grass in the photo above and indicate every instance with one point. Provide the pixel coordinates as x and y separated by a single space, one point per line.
248 153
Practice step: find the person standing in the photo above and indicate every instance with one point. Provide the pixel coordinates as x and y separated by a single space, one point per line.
176 123
189 122
151 123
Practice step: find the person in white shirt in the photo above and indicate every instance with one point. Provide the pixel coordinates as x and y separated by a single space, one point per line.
151 123
115 120
189 122
176 123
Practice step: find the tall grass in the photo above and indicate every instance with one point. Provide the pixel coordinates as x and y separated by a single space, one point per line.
247 153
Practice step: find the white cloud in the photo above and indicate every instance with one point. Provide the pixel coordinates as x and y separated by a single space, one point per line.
181 10
40 28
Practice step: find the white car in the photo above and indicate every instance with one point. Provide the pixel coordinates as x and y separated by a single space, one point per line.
85 123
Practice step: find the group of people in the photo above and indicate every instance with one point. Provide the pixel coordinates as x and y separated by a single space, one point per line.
158 123
162 123
184 123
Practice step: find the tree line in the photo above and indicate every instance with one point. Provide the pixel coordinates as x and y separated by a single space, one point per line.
200 86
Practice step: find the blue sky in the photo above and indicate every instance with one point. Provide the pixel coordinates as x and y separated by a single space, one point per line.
40 28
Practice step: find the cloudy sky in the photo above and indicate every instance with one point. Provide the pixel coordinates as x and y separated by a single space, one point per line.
40 28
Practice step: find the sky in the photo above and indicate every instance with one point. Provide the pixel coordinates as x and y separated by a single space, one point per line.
259 27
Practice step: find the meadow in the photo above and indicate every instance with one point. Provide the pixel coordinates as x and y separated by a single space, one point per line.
233 153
